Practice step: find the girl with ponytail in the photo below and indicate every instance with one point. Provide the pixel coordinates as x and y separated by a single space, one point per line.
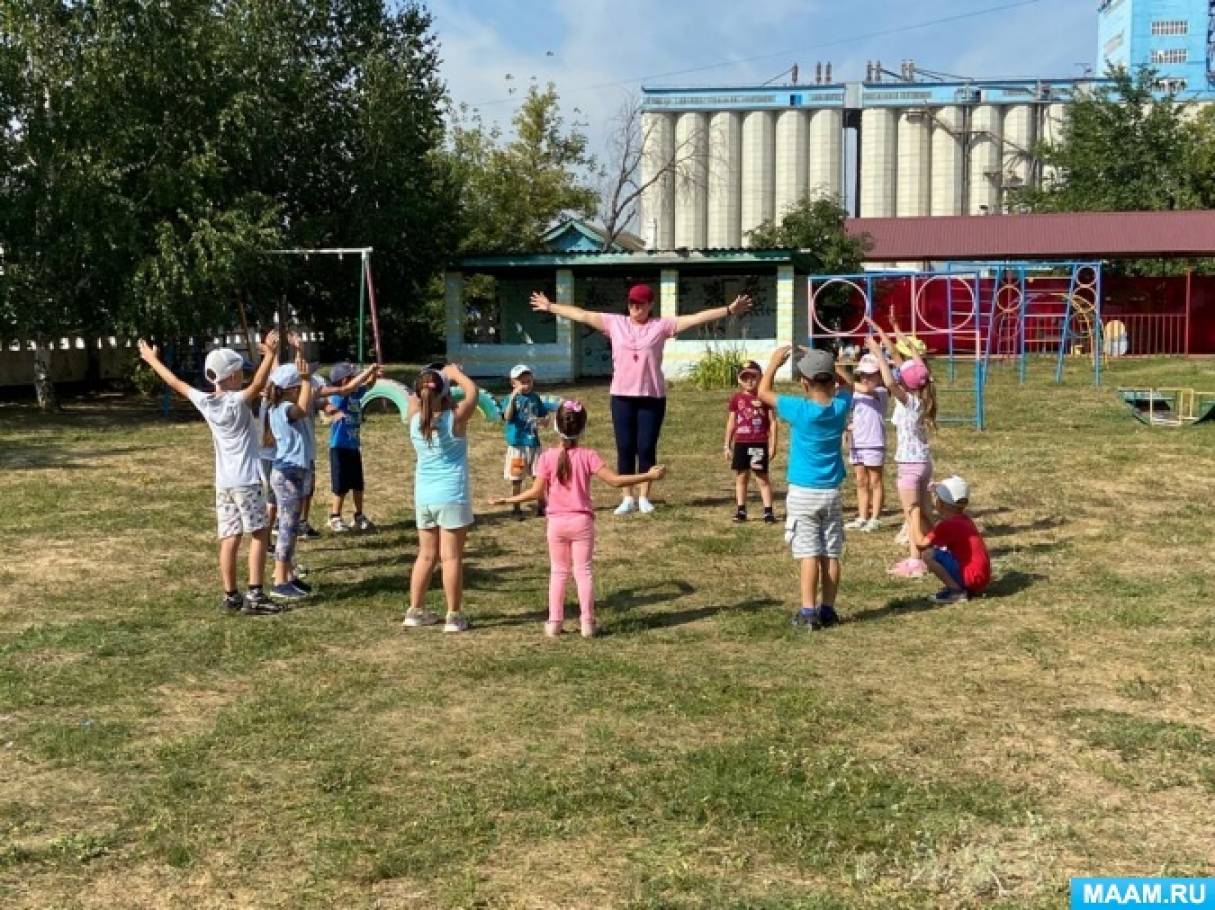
438 429
563 480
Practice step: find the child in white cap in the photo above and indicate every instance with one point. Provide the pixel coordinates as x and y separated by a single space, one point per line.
953 550
240 502
289 397
867 443
522 414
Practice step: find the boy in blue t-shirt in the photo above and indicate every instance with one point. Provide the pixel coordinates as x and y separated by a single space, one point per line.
522 414
814 520
345 407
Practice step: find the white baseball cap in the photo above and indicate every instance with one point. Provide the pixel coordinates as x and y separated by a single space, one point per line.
222 363
953 490
285 376
519 369
869 364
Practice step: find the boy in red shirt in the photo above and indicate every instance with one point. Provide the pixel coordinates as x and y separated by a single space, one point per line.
750 442
954 550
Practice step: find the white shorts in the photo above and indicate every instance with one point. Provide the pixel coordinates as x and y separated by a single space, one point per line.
451 516
814 523
240 510
520 463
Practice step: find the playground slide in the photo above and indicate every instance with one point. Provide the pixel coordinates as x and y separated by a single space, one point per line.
1169 407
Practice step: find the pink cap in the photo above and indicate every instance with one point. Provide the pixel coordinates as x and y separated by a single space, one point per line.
641 293
913 374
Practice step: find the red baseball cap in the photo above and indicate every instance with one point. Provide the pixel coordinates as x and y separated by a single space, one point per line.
641 293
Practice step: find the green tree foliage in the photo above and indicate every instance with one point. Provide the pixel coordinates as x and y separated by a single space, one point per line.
512 191
152 153
1123 149
815 225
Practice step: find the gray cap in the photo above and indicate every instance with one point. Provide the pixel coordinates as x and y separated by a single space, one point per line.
814 362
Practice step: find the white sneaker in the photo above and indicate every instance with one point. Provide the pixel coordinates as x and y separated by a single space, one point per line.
902 539
456 622
857 524
627 505
363 523
873 524
336 525
416 618
644 506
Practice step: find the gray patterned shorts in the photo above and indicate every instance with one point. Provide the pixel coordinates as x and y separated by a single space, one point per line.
814 523
240 510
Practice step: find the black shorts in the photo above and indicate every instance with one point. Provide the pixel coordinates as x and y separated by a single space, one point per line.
345 471
750 456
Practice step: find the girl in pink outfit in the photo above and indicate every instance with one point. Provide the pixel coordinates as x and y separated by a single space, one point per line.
563 480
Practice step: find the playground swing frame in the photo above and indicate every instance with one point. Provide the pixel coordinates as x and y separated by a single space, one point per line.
367 297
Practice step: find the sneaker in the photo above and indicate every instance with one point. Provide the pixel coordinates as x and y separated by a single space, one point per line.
856 524
644 506
363 523
909 568
302 585
286 593
307 532
807 617
902 539
740 515
769 517
552 628
231 603
949 596
337 526
256 603
589 629
456 622
873 524
827 617
627 505
415 618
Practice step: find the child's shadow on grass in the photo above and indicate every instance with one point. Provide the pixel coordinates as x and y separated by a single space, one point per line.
1049 523
1005 584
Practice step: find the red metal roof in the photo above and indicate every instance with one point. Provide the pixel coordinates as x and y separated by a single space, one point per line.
1096 235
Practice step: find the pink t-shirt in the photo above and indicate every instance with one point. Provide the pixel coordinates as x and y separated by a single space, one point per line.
574 497
637 355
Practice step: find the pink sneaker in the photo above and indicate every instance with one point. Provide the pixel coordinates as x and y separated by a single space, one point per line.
910 568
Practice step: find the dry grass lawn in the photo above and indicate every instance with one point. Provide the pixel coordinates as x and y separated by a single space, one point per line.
701 753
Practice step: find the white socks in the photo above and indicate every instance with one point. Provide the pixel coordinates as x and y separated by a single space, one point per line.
645 506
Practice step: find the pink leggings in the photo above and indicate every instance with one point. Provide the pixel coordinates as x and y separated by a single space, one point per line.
571 542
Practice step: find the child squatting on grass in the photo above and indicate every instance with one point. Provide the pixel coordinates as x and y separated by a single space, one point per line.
240 502
438 429
954 549
563 479
814 522
751 438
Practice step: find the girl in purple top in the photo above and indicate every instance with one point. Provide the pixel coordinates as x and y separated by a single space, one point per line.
639 394
867 446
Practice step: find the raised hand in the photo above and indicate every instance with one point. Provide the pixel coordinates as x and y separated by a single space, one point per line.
301 364
780 356
540 302
293 339
149 353
269 345
741 304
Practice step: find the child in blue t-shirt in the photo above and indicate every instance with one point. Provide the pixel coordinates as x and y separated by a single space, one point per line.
345 407
522 413
814 525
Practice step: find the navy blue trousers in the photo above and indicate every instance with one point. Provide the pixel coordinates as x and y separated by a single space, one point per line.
638 422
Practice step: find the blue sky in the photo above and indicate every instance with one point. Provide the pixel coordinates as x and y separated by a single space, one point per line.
598 52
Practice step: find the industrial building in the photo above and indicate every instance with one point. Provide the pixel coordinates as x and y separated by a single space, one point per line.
718 161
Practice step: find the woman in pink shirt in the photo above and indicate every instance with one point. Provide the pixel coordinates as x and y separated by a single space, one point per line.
563 480
639 392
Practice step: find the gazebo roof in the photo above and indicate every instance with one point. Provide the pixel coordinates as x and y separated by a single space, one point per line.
684 259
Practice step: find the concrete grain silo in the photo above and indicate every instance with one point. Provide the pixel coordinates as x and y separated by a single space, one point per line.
825 176
914 150
657 208
948 161
691 180
792 161
758 164
986 160
878 168
724 190
1020 135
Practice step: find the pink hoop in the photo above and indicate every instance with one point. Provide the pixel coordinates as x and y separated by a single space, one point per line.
816 324
917 301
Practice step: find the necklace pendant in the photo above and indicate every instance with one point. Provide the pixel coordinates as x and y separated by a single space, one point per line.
635 358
